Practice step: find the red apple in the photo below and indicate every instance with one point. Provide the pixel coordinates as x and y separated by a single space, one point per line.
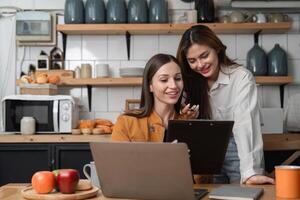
67 180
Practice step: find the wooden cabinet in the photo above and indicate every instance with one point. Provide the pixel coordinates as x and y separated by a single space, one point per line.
19 161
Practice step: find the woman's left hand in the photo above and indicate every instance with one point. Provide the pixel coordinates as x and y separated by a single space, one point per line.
259 180
188 112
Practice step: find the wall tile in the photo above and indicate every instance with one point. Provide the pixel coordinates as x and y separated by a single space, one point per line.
243 44
137 92
230 42
169 44
99 99
144 46
178 4
271 97
35 51
269 40
86 115
294 46
117 49
294 70
112 116
117 97
94 47
74 47
49 5
23 53
295 23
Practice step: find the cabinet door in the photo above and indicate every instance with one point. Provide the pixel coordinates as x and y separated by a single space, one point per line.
73 156
18 162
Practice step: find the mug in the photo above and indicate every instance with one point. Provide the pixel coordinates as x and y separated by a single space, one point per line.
259 18
86 71
102 70
287 179
224 19
239 17
93 177
277 17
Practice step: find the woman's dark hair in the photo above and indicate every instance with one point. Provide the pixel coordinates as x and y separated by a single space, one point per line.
147 98
195 85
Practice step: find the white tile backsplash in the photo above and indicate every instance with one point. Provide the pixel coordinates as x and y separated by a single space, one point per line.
168 44
294 46
268 41
144 46
230 42
100 99
243 44
116 49
74 48
117 97
94 47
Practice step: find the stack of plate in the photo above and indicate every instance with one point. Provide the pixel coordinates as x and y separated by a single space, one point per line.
131 71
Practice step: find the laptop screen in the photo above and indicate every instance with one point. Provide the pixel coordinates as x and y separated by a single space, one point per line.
207 141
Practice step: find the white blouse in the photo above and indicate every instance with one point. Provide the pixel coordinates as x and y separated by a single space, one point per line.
234 97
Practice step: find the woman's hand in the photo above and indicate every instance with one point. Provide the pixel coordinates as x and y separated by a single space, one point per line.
259 180
188 112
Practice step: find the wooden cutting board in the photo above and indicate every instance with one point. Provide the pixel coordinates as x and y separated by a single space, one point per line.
29 193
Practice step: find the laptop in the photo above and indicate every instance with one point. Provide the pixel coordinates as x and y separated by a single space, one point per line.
207 141
139 170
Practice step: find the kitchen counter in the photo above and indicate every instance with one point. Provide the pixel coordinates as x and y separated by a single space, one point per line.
272 142
53 138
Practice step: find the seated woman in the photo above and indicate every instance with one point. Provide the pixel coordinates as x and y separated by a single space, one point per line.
160 101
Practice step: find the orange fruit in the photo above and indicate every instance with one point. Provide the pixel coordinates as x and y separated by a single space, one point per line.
43 182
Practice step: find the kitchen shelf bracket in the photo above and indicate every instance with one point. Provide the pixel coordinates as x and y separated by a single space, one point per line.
89 91
64 41
128 37
281 89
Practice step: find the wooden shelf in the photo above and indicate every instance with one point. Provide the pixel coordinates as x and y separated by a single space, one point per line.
130 81
273 80
137 81
148 29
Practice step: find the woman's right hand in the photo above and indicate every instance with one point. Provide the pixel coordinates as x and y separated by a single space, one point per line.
188 112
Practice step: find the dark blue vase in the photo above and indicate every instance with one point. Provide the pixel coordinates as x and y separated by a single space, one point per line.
205 10
116 11
94 11
257 61
74 12
277 62
158 11
137 11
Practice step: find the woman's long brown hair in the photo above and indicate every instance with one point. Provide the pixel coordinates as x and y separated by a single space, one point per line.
147 99
195 85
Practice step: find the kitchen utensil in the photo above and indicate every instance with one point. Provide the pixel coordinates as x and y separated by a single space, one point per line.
29 193
116 11
257 59
137 11
158 11
277 62
94 11
206 10
224 19
259 18
102 70
74 12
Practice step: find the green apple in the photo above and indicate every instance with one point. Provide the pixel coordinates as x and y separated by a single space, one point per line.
56 172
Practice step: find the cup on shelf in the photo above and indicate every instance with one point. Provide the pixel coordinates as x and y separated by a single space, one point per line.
102 70
86 71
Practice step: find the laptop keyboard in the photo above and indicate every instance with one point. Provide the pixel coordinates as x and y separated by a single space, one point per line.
199 193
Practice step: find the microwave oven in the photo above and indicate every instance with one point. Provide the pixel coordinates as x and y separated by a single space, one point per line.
53 114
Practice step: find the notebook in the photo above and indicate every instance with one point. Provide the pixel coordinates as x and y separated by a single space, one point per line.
236 193
141 170
206 139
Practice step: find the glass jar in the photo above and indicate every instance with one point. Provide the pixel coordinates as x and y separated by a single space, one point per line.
27 125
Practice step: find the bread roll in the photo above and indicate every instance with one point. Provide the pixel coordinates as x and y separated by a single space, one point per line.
104 129
87 124
86 131
104 122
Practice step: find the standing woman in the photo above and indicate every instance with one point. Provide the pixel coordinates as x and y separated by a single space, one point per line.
224 90
160 101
